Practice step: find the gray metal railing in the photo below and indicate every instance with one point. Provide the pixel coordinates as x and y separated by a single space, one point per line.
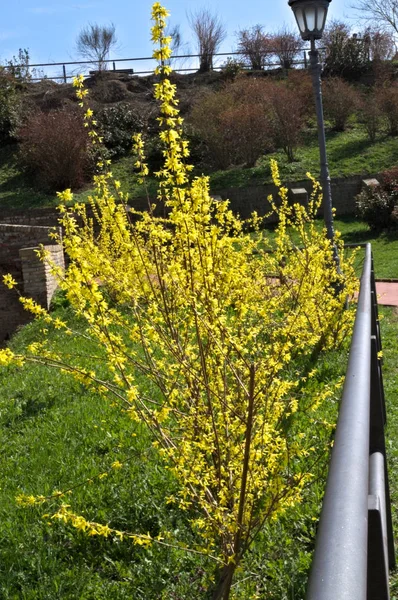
65 75
354 547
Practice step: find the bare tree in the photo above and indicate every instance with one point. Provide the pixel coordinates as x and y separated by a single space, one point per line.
209 32
286 45
254 45
380 43
382 13
94 42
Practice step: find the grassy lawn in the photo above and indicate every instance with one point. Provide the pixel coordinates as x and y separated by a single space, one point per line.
384 245
55 435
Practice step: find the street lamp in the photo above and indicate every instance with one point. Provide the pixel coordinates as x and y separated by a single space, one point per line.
311 17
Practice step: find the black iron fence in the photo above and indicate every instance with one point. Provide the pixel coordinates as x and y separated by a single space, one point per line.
146 64
354 546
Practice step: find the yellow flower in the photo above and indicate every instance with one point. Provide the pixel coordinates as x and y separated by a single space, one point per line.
9 281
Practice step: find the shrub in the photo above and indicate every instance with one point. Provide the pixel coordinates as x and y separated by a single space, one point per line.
301 83
340 101
10 106
376 206
345 55
54 149
202 349
389 181
287 110
388 101
370 114
254 45
234 123
231 68
117 124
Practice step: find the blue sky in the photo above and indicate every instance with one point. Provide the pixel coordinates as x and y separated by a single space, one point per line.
48 28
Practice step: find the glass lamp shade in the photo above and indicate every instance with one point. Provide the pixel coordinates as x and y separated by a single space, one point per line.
310 16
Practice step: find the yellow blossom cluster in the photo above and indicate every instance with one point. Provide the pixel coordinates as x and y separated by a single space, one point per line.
222 324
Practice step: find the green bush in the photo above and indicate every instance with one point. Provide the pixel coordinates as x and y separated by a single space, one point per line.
10 106
345 55
117 124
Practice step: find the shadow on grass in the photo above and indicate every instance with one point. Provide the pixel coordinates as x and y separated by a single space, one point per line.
349 149
15 189
358 237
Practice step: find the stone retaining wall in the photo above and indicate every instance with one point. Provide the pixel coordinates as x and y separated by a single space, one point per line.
243 200
18 257
22 231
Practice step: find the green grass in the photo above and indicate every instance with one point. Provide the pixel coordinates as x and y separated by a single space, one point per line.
349 153
384 245
389 334
54 435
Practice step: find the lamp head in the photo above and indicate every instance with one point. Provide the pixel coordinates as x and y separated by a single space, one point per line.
310 16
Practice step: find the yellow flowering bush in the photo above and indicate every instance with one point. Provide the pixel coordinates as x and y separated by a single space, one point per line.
223 327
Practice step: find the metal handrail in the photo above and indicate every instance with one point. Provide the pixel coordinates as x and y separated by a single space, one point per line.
354 544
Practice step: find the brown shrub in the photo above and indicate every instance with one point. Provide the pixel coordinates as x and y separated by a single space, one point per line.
287 117
340 101
234 122
301 82
388 101
54 149
370 114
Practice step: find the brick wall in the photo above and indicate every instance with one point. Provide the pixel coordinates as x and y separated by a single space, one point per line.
18 257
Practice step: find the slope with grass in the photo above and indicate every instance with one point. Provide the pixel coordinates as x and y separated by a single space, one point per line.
349 153
56 435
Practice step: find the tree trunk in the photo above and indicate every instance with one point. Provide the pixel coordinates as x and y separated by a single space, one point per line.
223 587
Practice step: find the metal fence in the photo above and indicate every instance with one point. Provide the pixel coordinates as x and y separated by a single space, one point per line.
146 65
354 545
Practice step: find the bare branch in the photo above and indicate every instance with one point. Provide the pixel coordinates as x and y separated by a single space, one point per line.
94 42
209 32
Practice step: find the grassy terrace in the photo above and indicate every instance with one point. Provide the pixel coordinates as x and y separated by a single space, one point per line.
56 435
349 153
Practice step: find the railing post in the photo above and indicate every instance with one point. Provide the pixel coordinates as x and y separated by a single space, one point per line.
64 72
378 562
378 416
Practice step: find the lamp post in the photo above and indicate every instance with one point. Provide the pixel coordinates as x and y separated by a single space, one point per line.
311 17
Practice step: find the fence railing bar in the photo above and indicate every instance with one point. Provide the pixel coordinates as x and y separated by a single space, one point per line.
110 60
354 548
339 568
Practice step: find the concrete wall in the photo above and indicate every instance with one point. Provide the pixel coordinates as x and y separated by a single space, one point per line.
18 257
